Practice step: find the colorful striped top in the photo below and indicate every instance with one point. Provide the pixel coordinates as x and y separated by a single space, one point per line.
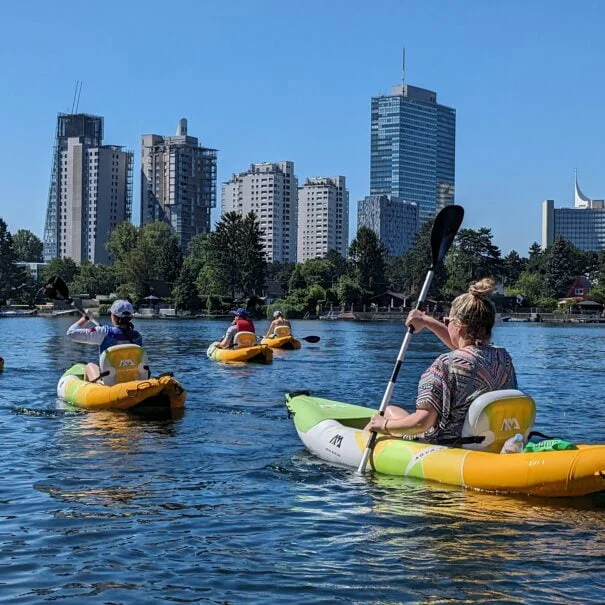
455 379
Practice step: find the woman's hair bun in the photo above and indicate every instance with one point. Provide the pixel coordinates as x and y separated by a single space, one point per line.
483 288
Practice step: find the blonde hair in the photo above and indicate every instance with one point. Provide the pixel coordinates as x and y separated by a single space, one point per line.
475 311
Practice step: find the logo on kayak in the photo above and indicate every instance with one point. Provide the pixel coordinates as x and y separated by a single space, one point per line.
336 440
126 363
510 424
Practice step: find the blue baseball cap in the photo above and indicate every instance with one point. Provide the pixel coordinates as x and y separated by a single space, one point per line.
241 312
121 308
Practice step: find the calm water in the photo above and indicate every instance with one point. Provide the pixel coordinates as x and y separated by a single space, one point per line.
224 505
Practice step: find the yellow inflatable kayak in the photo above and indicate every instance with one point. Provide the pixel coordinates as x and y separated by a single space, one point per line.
281 342
333 431
256 353
163 392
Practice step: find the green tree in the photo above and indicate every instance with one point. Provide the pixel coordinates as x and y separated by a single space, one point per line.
412 269
94 279
473 256
281 273
368 257
536 257
65 268
28 247
530 285
184 292
561 261
234 257
349 291
512 267
12 278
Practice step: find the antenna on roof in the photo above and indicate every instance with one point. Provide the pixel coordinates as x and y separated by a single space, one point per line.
403 67
73 103
78 99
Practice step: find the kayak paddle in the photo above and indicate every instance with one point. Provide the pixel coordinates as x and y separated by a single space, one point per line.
311 338
56 289
446 225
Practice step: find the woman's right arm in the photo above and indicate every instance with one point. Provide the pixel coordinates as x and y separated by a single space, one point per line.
419 320
88 336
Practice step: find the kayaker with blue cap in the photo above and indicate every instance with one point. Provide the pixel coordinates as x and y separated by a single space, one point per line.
120 332
241 323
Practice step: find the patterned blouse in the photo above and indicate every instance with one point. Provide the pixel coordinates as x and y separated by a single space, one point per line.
455 379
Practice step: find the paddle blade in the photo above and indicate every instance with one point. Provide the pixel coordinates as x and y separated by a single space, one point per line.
55 289
446 225
311 338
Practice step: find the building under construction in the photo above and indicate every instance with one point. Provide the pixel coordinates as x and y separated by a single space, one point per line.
90 190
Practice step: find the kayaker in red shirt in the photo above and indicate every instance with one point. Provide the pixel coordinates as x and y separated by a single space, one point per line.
241 323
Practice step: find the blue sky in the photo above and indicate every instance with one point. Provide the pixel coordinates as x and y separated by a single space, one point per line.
291 80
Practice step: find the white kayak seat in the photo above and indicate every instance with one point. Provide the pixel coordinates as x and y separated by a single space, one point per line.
496 416
281 331
123 363
244 339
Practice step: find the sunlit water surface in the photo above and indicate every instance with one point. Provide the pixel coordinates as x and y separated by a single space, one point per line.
224 505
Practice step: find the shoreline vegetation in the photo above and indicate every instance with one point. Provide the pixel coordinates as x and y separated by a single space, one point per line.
227 268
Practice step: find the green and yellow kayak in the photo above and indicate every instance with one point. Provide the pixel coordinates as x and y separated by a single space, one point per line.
163 392
333 431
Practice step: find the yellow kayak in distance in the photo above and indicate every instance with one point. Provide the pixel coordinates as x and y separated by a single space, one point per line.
255 354
288 343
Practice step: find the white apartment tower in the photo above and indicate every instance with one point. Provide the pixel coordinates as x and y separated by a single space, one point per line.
271 192
178 183
90 192
323 217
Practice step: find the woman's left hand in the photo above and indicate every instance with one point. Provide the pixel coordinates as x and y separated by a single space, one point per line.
377 424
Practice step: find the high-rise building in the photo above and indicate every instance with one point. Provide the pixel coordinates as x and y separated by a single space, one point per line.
271 192
323 217
178 183
394 220
413 149
583 225
90 191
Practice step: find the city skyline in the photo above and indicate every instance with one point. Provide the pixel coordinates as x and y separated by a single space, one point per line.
515 75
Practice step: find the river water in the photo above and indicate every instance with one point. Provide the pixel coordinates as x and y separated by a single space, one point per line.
224 505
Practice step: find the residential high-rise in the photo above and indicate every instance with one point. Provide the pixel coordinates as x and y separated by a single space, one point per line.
413 149
271 192
90 191
178 183
395 221
583 225
323 217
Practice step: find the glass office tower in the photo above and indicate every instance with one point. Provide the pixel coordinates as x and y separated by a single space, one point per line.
413 149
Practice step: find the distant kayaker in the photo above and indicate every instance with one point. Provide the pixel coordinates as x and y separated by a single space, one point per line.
120 332
241 323
455 379
278 320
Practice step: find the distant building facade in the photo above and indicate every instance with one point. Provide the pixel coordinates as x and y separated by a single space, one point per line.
270 190
178 183
583 225
90 191
413 149
394 220
323 217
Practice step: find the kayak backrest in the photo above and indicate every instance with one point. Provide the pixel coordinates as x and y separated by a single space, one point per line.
497 416
244 339
123 363
281 331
